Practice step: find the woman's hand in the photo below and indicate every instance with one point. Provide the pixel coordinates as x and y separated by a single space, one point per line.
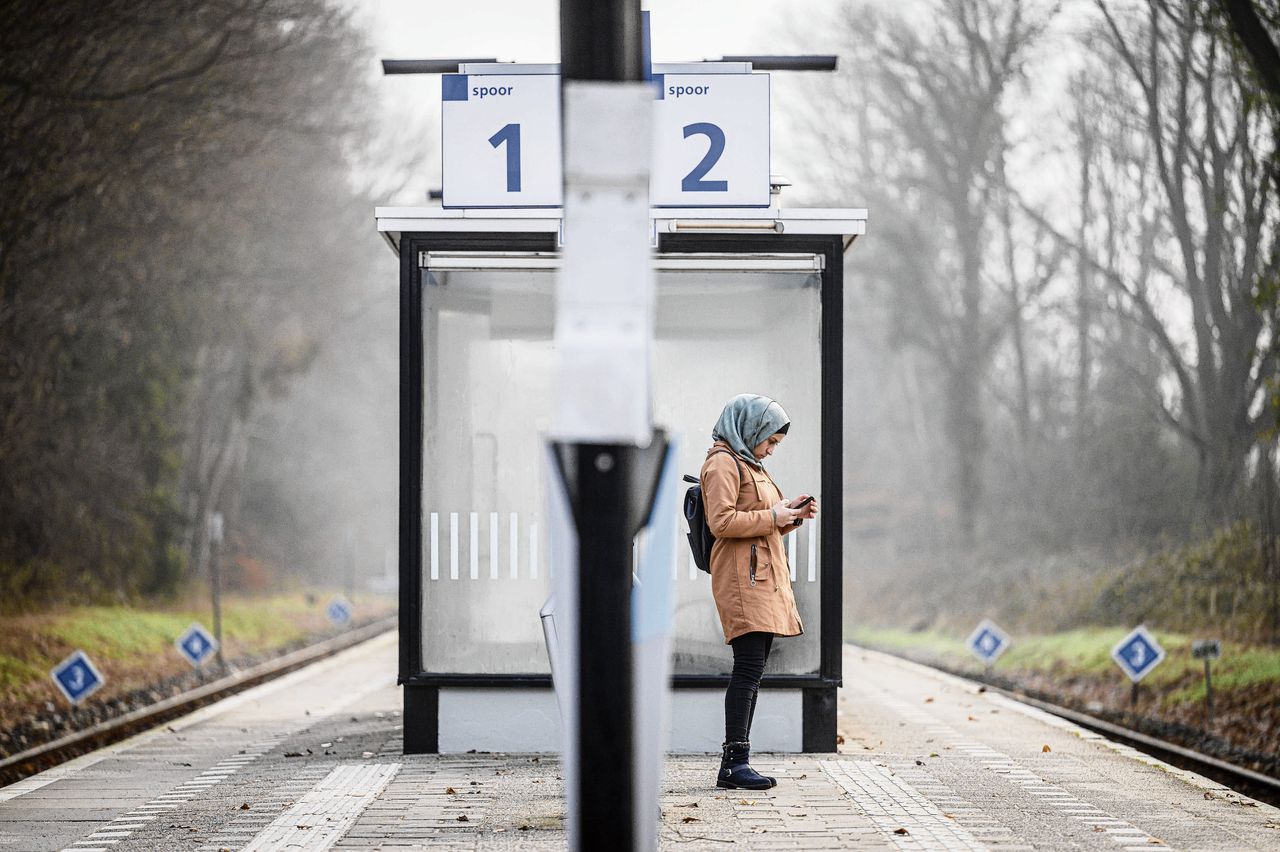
808 511
783 514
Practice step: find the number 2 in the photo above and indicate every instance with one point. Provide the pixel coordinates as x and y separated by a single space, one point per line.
693 181
511 135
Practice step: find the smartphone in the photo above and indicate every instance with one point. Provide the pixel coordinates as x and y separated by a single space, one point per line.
805 502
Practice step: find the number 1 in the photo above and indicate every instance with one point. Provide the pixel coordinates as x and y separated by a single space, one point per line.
511 135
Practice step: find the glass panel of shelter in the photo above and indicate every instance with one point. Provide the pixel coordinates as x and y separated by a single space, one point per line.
488 373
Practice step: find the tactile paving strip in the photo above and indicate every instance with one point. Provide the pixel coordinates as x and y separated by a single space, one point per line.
903 813
324 814
123 827
1122 833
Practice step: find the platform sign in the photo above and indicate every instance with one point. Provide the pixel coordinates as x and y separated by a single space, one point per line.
710 141
196 644
77 677
1206 649
987 642
339 611
501 140
1137 654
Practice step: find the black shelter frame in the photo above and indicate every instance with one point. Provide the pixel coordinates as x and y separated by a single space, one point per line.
422 688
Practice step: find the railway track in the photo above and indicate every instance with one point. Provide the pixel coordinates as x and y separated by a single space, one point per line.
50 754
1247 781
1254 784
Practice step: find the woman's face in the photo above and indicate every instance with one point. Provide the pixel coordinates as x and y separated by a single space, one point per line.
765 448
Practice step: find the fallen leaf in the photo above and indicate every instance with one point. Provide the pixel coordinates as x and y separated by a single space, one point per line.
929 700
293 754
804 775
900 831
981 689
839 739
451 791
1046 748
524 828
933 754
1208 795
691 819
971 719
464 818
689 805
245 806
304 827
949 816
919 762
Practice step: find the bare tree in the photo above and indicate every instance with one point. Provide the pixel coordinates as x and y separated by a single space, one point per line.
928 98
165 170
1206 149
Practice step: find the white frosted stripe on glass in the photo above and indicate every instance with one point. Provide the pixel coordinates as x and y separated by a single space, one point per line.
791 553
435 546
813 550
474 551
693 566
514 524
493 545
533 551
453 545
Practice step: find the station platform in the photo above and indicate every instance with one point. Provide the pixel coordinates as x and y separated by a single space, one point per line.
313 761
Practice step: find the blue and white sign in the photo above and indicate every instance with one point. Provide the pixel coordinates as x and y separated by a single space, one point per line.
710 141
987 642
500 140
339 611
1138 653
196 644
77 677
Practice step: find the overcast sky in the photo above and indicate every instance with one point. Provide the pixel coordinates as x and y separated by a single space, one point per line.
528 30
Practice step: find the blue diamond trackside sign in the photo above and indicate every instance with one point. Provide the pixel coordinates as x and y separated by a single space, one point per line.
1137 654
196 644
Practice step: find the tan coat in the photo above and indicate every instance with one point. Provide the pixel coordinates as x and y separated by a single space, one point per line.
737 498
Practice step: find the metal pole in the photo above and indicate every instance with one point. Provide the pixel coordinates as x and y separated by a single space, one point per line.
215 582
349 566
601 40
1133 696
600 462
1208 696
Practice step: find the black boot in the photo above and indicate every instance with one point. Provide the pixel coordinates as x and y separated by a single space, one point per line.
735 771
751 716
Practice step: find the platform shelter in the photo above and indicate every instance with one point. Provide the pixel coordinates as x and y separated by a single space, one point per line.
749 299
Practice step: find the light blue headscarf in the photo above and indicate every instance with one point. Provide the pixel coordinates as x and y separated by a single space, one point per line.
747 420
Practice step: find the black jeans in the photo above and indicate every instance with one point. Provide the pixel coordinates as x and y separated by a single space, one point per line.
750 652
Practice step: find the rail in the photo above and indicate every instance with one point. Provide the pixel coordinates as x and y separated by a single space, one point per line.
50 754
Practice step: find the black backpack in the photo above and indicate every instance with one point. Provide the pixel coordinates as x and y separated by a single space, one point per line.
695 512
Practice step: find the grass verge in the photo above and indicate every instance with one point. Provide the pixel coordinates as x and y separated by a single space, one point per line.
1074 668
134 649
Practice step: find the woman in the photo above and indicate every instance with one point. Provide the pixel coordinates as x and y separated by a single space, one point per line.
750 578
